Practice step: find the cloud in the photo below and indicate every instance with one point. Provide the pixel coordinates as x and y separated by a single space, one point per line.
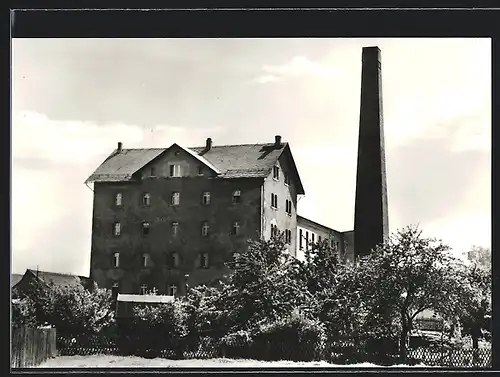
51 160
297 67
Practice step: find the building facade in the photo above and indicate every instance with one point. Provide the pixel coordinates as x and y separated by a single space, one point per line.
164 218
310 232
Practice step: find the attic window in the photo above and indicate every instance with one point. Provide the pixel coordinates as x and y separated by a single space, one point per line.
287 179
200 170
175 170
237 196
152 172
276 172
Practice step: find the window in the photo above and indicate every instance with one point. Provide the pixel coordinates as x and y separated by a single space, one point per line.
175 229
288 236
312 237
235 257
288 205
274 201
319 239
206 198
236 228
205 229
145 260
176 198
332 243
145 229
276 172
172 290
200 170
174 260
116 229
146 199
204 260
115 289
307 240
144 289
175 170
287 179
152 172
337 245
301 246
116 260
118 199
274 230
237 196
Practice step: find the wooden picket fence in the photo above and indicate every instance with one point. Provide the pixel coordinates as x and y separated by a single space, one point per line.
32 346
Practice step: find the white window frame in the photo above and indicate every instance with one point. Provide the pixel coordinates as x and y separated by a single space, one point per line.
117 229
276 172
236 194
176 198
172 290
116 260
145 225
205 229
204 262
206 198
145 260
174 225
236 228
175 170
118 199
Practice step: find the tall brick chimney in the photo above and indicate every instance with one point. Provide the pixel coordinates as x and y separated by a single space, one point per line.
371 222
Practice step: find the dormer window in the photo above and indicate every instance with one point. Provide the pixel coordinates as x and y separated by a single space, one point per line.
146 199
276 172
237 196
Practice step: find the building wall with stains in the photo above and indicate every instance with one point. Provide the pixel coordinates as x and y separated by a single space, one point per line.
159 244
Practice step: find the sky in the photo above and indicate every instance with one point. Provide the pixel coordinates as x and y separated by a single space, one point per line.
73 100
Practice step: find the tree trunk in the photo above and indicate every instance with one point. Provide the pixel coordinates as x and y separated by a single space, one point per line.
404 337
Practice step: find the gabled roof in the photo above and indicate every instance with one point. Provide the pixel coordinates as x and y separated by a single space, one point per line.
228 161
58 278
15 278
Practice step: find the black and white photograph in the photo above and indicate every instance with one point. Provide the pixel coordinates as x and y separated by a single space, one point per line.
251 202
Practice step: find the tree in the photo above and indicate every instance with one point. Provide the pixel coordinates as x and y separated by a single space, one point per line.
260 287
480 256
407 275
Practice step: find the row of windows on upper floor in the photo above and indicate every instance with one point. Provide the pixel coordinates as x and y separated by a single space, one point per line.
146 289
333 243
175 229
172 260
175 200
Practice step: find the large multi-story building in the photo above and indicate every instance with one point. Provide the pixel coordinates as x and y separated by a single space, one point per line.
166 217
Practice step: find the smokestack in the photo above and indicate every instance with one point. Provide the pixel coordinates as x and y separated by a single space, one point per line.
371 223
277 141
208 145
119 149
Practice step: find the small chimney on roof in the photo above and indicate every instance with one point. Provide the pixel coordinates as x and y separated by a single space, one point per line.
277 141
208 145
120 145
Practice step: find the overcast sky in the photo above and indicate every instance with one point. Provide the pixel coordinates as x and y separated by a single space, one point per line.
74 99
